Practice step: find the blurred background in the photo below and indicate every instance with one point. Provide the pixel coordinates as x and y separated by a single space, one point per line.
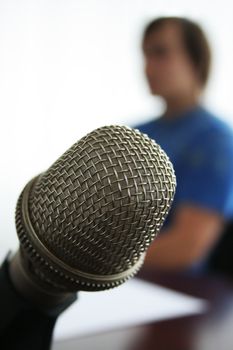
69 66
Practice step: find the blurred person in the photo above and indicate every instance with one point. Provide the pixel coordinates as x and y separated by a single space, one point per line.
177 60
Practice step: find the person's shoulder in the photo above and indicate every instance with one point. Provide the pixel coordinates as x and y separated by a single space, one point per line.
148 125
214 129
212 121
215 143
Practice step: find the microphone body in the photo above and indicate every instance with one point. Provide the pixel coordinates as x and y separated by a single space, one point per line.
86 222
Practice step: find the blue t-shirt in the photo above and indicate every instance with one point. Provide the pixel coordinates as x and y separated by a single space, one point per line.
200 147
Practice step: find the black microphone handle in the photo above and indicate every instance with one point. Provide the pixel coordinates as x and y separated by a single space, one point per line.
26 322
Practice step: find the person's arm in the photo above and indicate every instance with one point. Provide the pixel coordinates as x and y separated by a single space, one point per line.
191 236
203 203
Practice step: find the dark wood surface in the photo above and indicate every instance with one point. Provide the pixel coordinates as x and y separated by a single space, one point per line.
181 333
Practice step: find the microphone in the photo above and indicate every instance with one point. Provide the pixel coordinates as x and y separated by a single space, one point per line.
86 222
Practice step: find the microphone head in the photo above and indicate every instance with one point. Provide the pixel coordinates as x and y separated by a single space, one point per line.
86 222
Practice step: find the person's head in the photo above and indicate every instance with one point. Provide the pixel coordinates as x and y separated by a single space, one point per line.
177 57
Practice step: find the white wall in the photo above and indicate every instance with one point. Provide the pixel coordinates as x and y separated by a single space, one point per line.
68 66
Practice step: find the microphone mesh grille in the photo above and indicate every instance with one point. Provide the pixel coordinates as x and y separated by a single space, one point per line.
100 205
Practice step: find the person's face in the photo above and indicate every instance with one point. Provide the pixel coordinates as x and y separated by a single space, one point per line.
169 70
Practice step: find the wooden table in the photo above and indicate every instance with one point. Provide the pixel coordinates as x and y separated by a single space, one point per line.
177 334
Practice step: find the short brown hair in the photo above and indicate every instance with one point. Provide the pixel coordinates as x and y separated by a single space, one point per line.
195 42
